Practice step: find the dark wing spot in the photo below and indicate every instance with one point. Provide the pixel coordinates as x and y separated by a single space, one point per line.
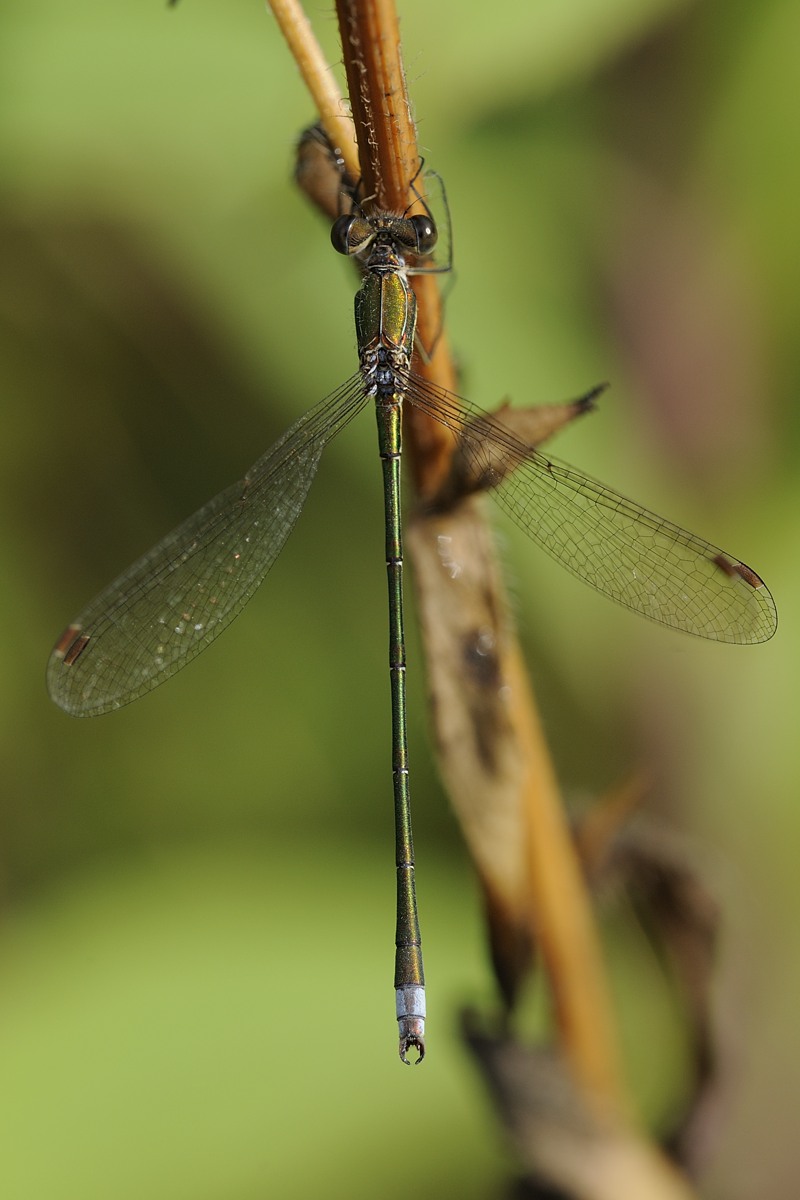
732 569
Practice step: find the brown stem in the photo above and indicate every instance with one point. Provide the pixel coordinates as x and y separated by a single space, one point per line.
317 76
549 898
493 753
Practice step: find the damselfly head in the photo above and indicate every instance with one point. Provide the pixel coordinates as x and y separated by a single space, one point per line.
354 234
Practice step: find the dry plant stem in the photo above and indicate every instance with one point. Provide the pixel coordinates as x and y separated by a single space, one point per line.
379 100
387 140
599 828
317 76
555 905
531 881
514 784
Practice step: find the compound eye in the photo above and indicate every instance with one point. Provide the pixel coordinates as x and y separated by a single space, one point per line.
351 234
425 232
340 234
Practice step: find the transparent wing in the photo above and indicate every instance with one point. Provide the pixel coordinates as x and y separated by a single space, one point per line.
637 558
432 188
173 602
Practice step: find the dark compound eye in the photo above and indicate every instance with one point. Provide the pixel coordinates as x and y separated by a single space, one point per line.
340 234
425 233
351 234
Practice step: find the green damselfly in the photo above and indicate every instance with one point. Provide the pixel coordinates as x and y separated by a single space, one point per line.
174 600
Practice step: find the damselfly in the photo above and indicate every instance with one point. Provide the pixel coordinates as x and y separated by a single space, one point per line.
174 600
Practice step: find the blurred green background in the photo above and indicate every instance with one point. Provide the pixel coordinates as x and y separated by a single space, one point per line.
193 1003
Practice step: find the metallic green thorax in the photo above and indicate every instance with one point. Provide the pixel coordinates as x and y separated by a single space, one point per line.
386 314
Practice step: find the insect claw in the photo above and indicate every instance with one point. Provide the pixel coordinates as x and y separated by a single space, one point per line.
418 1044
